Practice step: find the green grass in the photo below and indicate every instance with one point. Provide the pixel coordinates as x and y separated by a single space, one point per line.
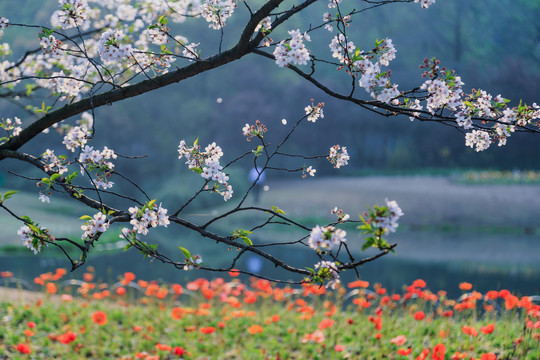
256 320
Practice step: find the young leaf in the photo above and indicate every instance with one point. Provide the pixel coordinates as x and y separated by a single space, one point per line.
185 251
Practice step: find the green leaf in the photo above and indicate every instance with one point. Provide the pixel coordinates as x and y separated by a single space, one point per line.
258 151
185 251
54 176
151 203
247 240
369 243
9 194
86 217
277 210
126 248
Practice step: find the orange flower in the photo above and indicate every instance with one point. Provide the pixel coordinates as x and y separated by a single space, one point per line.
492 295
31 324
137 328
458 356
465 286
396 297
23 349
419 283
488 329
469 330
378 336
88 277
121 291
488 356
163 347
326 323
358 283
51 288
207 330
128 277
419 315
234 273
438 352
99 317
177 289
404 352
255 329
28 333
177 313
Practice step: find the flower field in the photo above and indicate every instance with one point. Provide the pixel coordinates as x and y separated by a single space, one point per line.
231 319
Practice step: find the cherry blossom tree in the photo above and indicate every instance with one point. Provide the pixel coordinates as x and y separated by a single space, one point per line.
97 52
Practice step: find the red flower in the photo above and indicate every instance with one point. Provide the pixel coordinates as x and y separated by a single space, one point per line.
99 317
339 348
121 291
465 286
207 330
438 352
163 347
31 324
23 349
326 323
179 351
469 330
358 283
404 352
488 329
234 273
419 315
67 337
488 356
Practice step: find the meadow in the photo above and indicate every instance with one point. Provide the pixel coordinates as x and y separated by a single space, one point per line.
233 318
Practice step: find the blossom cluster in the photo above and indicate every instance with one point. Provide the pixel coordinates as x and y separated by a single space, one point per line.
425 3
342 216
91 159
76 137
314 112
337 158
216 12
158 34
52 162
264 25
328 271
386 217
251 131
27 236
51 45
147 216
193 262
72 13
110 49
190 51
207 164
11 126
294 51
326 237
478 139
98 224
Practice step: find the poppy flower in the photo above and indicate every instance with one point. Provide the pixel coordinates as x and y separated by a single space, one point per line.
488 356
419 315
51 288
275 318
465 286
399 340
488 329
423 355
469 330
255 329
99 317
419 283
120 291
28 333
326 323
207 330
23 349
67 337
179 351
404 352
137 328
358 283
177 313
438 352
31 324
234 273
339 348
163 347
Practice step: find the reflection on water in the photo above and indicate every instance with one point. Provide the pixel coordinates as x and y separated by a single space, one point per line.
391 271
